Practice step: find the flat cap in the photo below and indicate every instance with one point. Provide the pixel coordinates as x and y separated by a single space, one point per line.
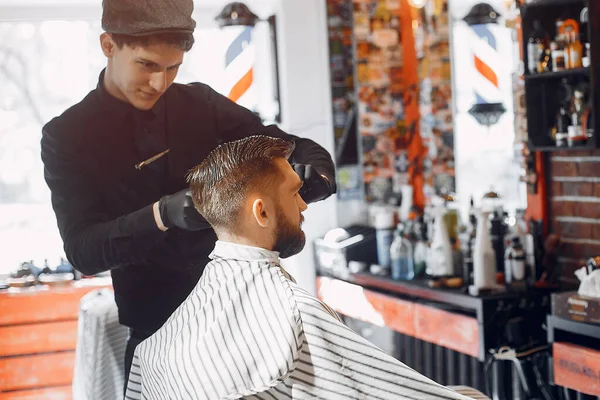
147 17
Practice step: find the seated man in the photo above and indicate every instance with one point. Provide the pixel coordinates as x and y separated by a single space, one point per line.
247 329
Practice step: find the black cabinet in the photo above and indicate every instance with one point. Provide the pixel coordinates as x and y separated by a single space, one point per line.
546 92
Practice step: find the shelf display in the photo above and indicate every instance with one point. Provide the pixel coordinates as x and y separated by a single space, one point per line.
391 95
380 90
558 50
435 100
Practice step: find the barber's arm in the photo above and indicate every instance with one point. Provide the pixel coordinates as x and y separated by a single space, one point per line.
311 161
93 242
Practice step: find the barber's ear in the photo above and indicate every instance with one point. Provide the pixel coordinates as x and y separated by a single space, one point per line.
259 209
107 44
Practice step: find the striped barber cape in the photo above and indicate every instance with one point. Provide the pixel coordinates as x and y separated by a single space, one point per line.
248 330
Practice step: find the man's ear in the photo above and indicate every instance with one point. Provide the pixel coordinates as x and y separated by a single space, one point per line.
261 213
107 44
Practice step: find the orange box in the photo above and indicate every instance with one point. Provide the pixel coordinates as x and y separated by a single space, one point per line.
577 368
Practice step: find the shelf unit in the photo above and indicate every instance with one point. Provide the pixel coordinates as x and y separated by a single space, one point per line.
542 90
558 74
544 3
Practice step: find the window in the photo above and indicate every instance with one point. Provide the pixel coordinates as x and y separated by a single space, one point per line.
46 66
486 158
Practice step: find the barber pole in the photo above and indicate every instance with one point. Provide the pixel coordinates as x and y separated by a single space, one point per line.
487 108
239 65
485 58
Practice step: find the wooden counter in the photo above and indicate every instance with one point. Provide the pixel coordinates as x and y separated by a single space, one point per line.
455 331
38 333
575 355
445 317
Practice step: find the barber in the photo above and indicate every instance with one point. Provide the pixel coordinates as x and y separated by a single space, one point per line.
116 164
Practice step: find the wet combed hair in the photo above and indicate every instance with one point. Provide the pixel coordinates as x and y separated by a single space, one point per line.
182 41
220 183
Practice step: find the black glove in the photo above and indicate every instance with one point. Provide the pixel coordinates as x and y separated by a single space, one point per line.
177 210
316 186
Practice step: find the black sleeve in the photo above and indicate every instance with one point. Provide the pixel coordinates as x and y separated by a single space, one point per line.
235 122
93 243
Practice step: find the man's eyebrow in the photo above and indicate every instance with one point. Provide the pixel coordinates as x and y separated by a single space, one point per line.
145 60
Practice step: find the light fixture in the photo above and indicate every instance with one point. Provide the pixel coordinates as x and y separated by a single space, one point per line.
481 14
487 114
236 14
418 3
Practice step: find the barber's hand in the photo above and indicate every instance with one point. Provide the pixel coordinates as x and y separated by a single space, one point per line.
177 210
316 186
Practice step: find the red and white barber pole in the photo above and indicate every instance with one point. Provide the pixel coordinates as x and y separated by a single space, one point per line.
486 86
487 108
239 66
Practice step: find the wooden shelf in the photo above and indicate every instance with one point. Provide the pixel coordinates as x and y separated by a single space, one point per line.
545 3
558 74
556 323
589 146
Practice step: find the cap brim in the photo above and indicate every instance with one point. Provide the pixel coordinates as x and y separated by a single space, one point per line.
154 32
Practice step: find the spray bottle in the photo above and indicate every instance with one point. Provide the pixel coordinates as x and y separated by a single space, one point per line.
484 256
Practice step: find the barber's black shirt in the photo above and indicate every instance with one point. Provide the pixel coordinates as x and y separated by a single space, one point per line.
103 204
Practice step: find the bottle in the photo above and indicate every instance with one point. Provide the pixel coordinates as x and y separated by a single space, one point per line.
562 127
457 258
508 256
536 43
514 262
451 216
562 31
576 135
468 244
498 234
559 49
585 60
401 254
575 51
384 233
545 61
439 262
557 58
520 228
420 254
519 260
530 257
421 246
484 257
464 236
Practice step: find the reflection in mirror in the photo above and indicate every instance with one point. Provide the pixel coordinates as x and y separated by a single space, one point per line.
484 65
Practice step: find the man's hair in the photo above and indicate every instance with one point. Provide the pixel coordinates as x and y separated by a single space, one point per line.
182 41
220 183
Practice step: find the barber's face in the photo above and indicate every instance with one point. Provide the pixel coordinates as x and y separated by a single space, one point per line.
144 73
289 237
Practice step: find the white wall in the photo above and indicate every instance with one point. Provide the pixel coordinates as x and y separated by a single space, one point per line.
306 107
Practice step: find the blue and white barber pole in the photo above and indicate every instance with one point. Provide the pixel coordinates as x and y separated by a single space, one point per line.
488 107
237 21
239 66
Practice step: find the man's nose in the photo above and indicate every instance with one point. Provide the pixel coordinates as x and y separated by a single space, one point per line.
158 81
302 205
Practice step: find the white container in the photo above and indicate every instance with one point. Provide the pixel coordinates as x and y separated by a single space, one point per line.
440 261
484 257
384 232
